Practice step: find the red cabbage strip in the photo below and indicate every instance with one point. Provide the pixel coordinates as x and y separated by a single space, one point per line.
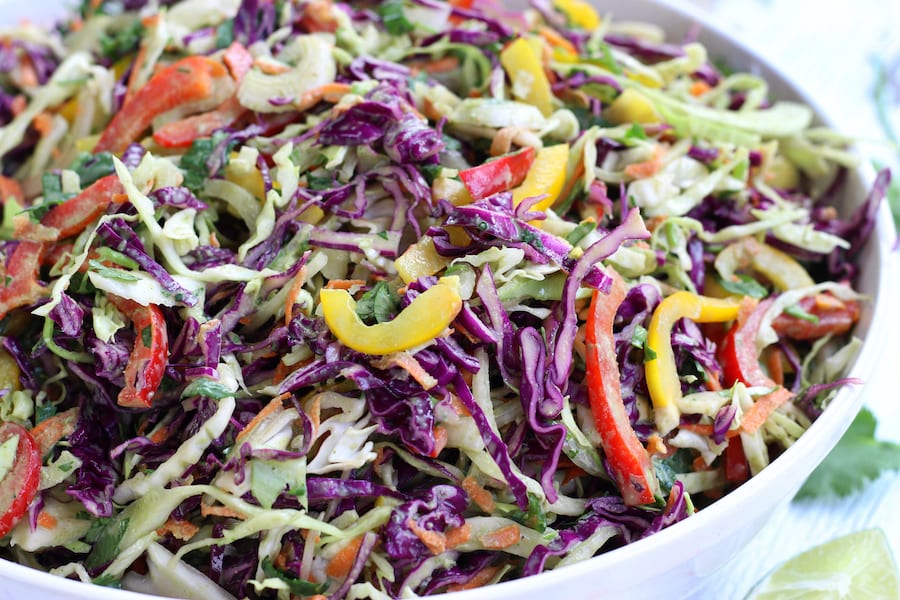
439 508
474 326
632 228
566 540
642 49
466 567
676 510
495 446
329 488
536 405
69 315
503 329
120 236
178 197
722 423
807 398
365 549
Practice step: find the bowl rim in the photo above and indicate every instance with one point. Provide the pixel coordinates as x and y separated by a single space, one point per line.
836 419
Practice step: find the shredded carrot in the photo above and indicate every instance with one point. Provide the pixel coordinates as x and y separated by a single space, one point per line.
315 414
46 520
572 181
712 382
501 538
440 440
136 68
238 60
699 464
456 536
220 511
775 365
481 578
282 370
214 241
43 124
699 87
18 104
441 65
76 25
344 284
27 75
340 565
10 188
555 39
318 597
293 294
270 66
647 168
435 541
758 414
180 530
330 92
706 429
158 436
656 445
275 404
408 363
458 406
52 429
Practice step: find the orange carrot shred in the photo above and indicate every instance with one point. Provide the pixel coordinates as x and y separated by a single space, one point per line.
501 538
344 284
555 39
481 578
758 414
699 87
274 405
52 429
340 565
293 294
647 168
46 520
435 541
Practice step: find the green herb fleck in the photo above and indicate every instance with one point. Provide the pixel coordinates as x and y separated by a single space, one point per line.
207 388
635 132
639 337
91 167
743 285
799 312
110 273
378 305
194 162
105 535
300 587
667 468
225 34
116 45
534 517
649 353
395 21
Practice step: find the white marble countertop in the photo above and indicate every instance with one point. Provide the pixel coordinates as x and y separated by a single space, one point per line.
830 48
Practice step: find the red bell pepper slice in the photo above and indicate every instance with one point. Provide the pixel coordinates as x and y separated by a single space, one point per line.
831 315
147 363
737 470
20 278
738 355
628 460
181 134
19 486
187 81
72 216
497 175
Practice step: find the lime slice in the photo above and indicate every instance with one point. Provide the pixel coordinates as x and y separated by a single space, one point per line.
856 566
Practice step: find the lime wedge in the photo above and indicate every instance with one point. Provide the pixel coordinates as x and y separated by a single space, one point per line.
856 566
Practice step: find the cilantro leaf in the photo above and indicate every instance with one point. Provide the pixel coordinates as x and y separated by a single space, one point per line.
858 458
379 304
106 537
116 45
298 586
744 286
667 469
91 167
391 12
635 132
208 388
194 162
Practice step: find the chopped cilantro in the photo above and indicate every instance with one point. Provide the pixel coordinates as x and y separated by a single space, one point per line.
635 132
208 388
299 587
743 285
114 46
194 162
316 182
105 534
379 304
534 517
649 353
667 468
110 273
42 412
799 312
581 231
395 21
639 337
225 34
91 167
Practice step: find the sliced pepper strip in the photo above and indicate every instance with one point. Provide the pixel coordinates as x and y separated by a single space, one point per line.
778 267
662 375
20 277
526 74
628 461
546 176
497 175
147 363
72 216
185 82
423 320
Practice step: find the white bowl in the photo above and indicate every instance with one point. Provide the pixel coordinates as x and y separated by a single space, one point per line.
673 563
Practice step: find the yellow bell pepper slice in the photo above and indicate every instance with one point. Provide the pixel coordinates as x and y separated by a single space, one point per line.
420 322
522 63
631 106
580 13
547 175
780 268
9 372
420 260
660 370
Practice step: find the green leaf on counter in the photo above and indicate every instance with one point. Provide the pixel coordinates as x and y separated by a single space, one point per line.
857 459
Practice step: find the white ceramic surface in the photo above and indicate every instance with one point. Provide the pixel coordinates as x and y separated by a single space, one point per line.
673 563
